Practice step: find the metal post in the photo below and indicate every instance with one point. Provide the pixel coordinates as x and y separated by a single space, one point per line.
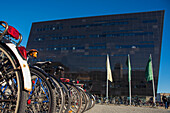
153 91
107 88
130 93
153 84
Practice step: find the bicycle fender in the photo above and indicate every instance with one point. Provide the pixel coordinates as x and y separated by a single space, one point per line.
24 67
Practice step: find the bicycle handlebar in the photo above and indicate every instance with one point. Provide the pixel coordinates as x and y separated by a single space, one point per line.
6 28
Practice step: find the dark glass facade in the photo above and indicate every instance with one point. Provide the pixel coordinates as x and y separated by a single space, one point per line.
81 45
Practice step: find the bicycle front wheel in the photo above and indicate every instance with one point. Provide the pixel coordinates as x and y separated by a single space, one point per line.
76 99
12 95
42 98
67 98
60 100
84 100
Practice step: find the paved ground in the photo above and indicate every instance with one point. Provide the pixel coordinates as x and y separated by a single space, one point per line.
125 109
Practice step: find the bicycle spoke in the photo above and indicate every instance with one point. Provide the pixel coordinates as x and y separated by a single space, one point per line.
39 97
8 85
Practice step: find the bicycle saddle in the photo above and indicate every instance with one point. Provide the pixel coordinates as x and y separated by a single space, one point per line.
65 79
43 63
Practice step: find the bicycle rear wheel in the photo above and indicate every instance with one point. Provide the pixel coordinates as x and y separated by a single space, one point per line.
12 95
42 98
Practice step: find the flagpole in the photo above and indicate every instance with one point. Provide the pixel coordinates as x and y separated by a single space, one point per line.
107 82
129 81
107 88
130 92
153 92
153 84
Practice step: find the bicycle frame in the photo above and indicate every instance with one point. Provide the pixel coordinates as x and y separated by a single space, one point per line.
33 87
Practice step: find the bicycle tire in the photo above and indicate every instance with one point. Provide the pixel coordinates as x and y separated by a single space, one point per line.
67 97
76 98
60 100
91 101
58 90
88 101
84 100
45 102
13 96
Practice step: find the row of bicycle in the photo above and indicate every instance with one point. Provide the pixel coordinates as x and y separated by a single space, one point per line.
26 88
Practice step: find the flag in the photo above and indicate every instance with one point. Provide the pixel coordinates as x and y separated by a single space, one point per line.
109 73
149 70
129 68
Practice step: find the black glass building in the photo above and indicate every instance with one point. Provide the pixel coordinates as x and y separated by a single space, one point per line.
81 46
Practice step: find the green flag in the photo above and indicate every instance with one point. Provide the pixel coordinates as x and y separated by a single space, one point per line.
149 70
129 68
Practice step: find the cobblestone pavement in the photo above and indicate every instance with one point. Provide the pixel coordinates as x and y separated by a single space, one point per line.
125 109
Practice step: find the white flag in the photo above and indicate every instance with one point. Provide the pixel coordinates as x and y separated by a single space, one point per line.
109 73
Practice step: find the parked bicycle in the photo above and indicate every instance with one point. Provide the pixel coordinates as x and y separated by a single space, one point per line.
29 88
71 99
15 79
51 99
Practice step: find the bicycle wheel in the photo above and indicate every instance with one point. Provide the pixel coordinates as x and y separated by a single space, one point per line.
84 100
67 99
76 98
91 101
88 101
60 100
12 96
42 97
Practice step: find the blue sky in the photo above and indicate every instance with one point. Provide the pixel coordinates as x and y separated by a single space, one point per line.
21 14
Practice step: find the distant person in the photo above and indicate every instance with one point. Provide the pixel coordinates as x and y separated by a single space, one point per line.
165 101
